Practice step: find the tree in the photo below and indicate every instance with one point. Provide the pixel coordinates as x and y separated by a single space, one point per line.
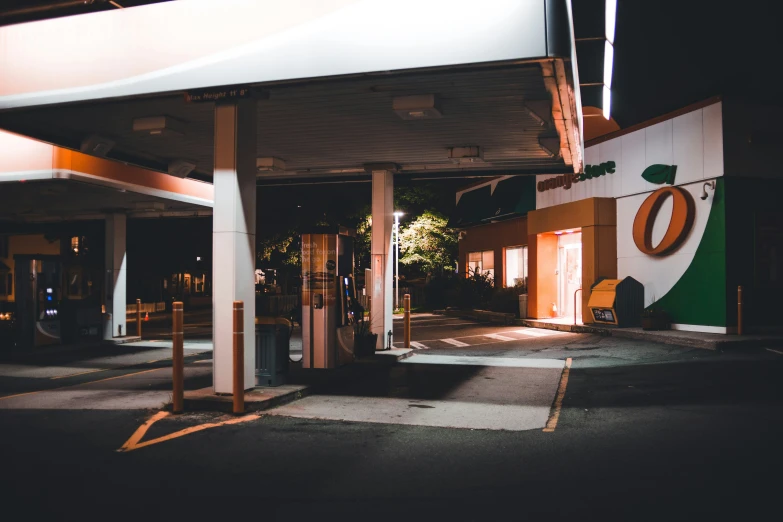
428 245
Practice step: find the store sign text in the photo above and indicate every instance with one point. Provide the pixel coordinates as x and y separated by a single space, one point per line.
566 180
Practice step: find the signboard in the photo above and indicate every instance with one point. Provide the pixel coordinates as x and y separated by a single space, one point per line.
567 180
217 94
603 315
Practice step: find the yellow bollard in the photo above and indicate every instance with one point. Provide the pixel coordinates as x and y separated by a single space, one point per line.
178 357
138 317
739 310
406 319
239 357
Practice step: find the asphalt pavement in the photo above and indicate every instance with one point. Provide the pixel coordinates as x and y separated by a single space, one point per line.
646 432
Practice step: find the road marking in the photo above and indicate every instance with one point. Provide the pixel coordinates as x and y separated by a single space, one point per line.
418 345
500 337
142 430
121 367
77 374
85 383
133 442
82 383
417 326
469 360
551 424
534 333
775 351
454 342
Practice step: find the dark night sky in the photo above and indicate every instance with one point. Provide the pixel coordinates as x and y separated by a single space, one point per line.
670 53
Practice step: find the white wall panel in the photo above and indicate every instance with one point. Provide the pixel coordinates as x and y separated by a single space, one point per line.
634 150
658 140
692 141
688 147
712 117
612 150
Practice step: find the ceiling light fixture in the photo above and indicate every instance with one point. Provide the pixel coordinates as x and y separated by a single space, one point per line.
611 19
181 168
159 126
270 164
471 154
608 63
96 145
418 107
539 110
550 144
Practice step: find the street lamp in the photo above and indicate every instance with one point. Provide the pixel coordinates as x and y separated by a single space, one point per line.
397 258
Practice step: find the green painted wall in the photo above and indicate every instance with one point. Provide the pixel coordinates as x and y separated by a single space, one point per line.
699 297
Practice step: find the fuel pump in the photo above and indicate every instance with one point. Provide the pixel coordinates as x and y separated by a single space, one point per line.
328 296
38 296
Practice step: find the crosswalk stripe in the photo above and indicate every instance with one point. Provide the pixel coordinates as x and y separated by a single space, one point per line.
454 342
418 346
500 337
534 333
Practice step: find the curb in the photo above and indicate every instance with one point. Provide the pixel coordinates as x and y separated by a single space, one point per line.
731 343
224 403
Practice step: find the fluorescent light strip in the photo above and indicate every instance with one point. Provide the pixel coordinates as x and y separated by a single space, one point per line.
611 19
608 63
607 102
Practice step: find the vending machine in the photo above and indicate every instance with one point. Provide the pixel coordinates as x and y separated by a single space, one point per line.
328 298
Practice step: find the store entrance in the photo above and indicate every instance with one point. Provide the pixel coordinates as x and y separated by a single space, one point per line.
569 255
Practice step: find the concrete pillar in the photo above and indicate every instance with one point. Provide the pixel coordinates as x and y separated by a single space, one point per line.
116 275
381 253
233 237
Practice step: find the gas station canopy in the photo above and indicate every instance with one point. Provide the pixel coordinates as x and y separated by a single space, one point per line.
436 86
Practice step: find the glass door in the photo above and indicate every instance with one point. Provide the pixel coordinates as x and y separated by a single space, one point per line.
569 274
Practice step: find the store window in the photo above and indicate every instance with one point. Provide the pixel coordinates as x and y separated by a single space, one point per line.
516 266
482 263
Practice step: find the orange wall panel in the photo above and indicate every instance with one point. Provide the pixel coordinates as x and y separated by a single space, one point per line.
495 237
542 292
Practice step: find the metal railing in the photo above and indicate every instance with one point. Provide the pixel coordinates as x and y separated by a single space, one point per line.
130 309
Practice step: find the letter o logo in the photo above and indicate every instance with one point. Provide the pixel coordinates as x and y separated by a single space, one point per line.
679 226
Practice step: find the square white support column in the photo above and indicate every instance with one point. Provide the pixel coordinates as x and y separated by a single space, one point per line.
115 287
381 254
233 238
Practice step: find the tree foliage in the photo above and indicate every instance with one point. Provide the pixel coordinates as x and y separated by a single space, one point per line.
282 248
427 244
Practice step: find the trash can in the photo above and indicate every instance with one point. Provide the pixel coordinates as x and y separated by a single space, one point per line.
522 306
272 350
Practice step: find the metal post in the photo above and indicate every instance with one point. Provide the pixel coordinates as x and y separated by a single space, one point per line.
239 357
739 310
178 357
397 215
406 320
575 292
138 317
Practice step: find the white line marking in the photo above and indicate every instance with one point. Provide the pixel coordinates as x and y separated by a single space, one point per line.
500 337
775 351
534 333
454 342
418 346
508 362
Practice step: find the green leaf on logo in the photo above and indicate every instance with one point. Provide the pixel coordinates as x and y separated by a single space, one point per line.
659 174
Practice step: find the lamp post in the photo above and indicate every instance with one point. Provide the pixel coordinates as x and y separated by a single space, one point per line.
397 258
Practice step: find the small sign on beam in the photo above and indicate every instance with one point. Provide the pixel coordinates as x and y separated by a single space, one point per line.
218 94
